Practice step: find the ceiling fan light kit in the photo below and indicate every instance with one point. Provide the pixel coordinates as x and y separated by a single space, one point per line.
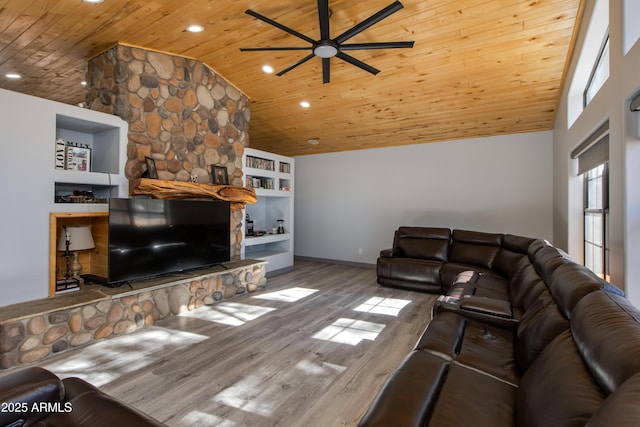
326 47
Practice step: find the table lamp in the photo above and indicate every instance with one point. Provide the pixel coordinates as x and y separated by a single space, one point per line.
73 239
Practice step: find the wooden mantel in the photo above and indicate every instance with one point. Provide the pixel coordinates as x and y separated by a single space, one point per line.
162 189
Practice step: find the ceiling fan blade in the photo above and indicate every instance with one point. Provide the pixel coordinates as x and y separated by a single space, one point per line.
373 19
323 15
302 61
280 26
255 49
383 45
351 60
326 66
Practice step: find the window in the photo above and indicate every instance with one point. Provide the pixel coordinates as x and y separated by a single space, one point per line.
596 220
599 74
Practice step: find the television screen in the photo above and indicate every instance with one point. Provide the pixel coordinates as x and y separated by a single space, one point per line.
150 237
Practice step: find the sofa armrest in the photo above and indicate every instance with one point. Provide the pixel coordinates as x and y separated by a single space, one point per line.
22 393
389 253
492 306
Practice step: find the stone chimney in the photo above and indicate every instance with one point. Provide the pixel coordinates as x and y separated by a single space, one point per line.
180 113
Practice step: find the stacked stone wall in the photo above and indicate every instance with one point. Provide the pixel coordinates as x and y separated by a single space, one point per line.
180 113
34 338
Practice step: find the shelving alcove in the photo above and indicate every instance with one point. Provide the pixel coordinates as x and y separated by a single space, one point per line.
272 177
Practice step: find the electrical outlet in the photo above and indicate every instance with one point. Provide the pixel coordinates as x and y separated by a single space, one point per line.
360 251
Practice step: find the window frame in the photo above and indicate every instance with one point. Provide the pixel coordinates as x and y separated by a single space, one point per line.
596 65
603 211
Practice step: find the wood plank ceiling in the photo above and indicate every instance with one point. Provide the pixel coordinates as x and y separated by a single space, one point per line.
478 68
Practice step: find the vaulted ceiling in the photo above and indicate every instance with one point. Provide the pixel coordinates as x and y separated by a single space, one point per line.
478 67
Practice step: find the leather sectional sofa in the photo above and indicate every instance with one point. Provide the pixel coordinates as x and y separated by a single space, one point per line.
37 397
522 336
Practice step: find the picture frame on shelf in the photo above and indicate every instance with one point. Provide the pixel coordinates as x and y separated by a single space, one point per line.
219 175
79 159
152 171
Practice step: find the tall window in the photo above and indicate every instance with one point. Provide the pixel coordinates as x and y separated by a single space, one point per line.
599 73
596 220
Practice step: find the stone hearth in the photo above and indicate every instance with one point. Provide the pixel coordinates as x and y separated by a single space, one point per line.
32 331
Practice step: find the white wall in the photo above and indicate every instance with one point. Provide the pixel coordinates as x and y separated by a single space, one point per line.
612 103
355 200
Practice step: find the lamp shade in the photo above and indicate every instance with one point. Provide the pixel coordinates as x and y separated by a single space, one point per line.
79 238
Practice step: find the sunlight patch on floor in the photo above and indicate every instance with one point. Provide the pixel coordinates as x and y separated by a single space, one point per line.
228 313
349 331
387 306
288 295
246 395
112 358
197 418
319 369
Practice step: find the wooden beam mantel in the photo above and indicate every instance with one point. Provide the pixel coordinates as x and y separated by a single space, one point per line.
162 189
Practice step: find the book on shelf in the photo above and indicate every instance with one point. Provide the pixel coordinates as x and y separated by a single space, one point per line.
258 163
67 285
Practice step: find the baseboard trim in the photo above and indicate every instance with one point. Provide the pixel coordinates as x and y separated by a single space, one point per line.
334 261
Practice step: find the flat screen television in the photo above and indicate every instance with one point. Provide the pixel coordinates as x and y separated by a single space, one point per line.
151 237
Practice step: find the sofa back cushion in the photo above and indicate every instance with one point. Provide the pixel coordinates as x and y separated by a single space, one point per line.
606 329
422 243
512 255
620 408
475 248
546 260
569 283
539 325
557 390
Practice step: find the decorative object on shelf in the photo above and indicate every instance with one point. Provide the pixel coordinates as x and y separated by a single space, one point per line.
219 175
280 226
61 153
152 171
161 189
75 238
78 159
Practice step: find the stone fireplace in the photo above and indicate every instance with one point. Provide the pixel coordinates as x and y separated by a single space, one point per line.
180 113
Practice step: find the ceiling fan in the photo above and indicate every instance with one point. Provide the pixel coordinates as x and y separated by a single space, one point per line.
328 47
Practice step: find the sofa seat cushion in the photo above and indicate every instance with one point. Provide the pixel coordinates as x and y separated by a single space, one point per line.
479 346
472 398
491 285
558 389
409 393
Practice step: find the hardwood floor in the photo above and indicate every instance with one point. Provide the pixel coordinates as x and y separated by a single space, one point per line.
311 349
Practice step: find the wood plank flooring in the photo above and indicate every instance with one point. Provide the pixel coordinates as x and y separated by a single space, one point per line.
311 349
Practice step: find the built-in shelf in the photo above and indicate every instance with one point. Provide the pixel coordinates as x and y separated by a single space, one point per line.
267 238
272 177
107 145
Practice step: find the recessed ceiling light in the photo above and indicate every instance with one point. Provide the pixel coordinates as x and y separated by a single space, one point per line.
12 76
195 28
313 142
83 83
305 104
92 1
267 69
